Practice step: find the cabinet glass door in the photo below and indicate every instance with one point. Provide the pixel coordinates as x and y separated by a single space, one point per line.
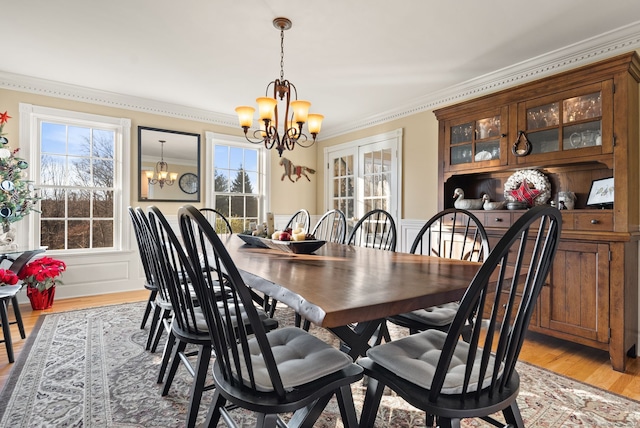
566 122
475 141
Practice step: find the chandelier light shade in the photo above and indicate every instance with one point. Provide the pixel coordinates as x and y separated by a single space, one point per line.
161 176
281 133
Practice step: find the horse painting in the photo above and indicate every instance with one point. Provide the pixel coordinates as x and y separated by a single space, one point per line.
290 169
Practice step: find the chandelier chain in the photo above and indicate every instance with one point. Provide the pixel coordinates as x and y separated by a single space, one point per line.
281 54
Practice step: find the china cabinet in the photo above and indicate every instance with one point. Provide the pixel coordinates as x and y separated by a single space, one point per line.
574 127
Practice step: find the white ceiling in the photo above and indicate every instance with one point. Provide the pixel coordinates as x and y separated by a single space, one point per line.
357 61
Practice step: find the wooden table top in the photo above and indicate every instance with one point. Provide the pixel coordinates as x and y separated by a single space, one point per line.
342 284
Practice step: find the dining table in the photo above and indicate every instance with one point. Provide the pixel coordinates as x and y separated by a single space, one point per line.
347 289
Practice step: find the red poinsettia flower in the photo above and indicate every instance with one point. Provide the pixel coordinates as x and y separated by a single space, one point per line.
42 273
4 117
8 277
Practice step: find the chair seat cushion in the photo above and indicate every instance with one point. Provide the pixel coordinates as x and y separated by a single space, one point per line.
301 358
438 316
415 359
9 290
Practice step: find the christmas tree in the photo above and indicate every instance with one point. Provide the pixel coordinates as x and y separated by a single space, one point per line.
17 195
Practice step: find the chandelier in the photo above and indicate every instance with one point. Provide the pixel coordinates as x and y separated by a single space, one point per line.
162 175
296 112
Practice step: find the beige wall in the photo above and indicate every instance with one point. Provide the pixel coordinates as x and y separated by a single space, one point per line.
420 162
286 197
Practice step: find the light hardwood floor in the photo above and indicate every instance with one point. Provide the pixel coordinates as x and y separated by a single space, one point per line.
572 360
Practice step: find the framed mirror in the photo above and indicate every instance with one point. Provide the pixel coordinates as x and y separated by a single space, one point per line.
168 165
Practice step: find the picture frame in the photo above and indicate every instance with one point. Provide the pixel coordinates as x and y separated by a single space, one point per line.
601 193
180 153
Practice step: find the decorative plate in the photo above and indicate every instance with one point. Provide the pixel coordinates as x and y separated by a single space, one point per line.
528 185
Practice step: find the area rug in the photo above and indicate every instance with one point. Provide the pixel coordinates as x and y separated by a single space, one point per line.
88 368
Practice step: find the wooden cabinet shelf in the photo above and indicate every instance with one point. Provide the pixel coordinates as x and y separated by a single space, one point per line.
574 127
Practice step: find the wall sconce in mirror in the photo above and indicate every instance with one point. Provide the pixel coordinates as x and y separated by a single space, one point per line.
165 158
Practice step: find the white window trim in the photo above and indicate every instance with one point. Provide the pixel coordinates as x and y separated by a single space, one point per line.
264 165
354 145
30 117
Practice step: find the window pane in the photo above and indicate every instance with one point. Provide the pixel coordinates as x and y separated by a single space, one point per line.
52 203
79 143
79 234
237 206
221 181
222 204
251 184
252 207
52 170
103 144
53 138
79 203
103 204
79 172
52 234
102 172
235 157
251 160
102 234
221 157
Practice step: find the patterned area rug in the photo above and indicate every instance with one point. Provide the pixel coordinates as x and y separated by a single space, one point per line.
88 368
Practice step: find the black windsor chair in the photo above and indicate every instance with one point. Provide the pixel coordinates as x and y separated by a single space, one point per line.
332 227
451 379
188 325
218 220
158 301
8 294
376 229
453 234
284 370
300 217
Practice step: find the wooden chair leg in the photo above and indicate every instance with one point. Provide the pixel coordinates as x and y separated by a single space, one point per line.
175 363
512 415
154 325
162 326
347 407
202 367
147 309
6 330
18 316
371 404
166 356
213 415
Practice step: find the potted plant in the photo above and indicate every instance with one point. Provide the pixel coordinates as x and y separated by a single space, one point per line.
41 277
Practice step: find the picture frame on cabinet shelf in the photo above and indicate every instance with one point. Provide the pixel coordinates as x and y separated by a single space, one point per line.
601 193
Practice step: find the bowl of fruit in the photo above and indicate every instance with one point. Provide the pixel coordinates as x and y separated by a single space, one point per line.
294 241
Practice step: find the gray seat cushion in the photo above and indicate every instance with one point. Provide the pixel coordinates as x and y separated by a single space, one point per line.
415 359
301 358
439 316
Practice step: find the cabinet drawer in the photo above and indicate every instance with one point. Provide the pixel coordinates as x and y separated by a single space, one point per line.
593 221
497 219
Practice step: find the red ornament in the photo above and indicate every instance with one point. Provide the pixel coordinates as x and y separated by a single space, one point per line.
525 194
4 117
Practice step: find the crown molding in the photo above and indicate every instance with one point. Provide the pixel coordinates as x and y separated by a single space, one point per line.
603 46
17 82
591 50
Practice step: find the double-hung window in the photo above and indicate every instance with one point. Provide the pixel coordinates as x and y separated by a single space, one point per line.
76 163
238 174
